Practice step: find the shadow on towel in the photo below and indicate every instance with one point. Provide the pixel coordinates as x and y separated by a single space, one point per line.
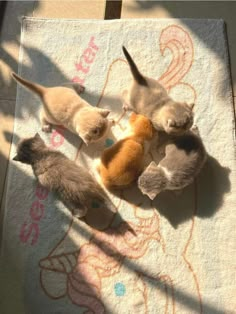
202 198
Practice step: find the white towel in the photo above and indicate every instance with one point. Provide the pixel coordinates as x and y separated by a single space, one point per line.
181 256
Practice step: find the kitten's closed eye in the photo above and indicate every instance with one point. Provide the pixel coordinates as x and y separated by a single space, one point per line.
96 131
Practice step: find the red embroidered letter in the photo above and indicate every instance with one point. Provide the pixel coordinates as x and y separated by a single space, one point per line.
27 231
92 44
41 192
36 210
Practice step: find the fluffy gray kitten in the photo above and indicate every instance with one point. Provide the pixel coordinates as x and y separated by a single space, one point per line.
148 97
185 156
74 184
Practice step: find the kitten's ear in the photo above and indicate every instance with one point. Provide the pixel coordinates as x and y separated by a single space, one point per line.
37 136
16 158
104 112
78 88
152 164
191 106
152 194
85 139
86 142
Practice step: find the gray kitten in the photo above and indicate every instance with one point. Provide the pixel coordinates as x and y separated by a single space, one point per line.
146 96
185 156
76 187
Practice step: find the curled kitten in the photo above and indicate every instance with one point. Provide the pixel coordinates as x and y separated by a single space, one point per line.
148 97
75 185
122 163
63 106
185 156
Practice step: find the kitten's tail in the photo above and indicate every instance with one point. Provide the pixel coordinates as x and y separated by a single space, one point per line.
34 87
139 78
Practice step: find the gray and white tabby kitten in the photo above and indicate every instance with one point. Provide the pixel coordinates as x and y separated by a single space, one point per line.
185 156
148 97
74 184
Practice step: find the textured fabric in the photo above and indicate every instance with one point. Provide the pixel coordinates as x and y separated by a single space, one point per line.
173 255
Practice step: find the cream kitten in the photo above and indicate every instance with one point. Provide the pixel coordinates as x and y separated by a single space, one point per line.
63 106
185 156
146 96
74 184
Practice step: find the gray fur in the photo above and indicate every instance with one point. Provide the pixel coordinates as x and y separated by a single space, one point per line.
75 185
148 97
185 156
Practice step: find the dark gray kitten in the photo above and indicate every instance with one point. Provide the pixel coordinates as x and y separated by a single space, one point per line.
184 157
74 184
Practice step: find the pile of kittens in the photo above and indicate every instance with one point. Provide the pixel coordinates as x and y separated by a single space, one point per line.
156 119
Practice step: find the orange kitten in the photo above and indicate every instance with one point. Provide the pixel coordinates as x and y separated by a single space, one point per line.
122 163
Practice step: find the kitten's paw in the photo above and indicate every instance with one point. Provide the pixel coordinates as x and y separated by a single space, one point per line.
79 88
47 128
125 107
80 213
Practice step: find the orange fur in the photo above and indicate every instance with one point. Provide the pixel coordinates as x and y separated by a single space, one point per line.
122 163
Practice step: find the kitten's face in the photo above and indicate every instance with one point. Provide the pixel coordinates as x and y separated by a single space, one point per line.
178 118
141 125
149 182
27 147
93 125
146 186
